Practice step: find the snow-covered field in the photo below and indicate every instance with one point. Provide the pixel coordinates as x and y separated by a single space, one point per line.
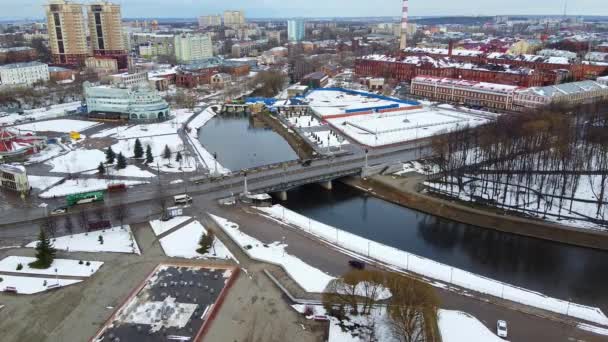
42 182
184 242
309 278
76 186
41 113
77 161
29 285
59 126
129 171
64 267
159 227
115 240
396 127
51 151
326 138
304 121
156 143
404 261
457 326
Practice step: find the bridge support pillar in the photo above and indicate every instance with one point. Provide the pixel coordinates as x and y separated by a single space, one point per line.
328 185
282 195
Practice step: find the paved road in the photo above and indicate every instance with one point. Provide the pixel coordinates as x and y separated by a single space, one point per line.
259 180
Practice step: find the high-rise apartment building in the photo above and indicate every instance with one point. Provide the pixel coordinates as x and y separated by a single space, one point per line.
295 30
234 18
209 20
67 37
189 47
105 28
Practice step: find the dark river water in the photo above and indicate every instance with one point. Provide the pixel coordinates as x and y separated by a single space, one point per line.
558 270
242 143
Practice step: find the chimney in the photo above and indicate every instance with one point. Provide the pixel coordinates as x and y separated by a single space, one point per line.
404 17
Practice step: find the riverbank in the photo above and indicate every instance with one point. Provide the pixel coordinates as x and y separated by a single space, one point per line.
404 191
299 145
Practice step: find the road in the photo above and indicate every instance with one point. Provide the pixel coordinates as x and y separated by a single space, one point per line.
261 179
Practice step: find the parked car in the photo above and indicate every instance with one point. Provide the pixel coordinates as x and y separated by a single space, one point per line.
357 264
59 211
182 199
501 329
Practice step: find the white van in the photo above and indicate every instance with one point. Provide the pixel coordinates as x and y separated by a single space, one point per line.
182 199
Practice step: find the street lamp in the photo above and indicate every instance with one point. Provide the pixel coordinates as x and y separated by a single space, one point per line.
215 161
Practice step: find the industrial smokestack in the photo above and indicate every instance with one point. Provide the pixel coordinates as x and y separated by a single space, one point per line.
404 17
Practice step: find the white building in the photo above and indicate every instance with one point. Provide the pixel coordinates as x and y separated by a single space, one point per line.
557 53
602 80
209 20
295 30
14 177
190 47
130 80
23 73
137 103
569 93
234 18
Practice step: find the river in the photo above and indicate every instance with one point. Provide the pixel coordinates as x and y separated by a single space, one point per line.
242 143
555 269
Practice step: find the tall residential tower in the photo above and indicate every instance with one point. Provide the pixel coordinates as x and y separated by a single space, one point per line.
105 27
296 30
67 37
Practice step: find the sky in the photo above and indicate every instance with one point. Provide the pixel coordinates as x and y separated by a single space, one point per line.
323 8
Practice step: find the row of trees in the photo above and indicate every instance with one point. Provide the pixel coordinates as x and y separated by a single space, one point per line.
138 153
544 160
412 305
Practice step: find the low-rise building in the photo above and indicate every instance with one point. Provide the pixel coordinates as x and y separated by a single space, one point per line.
19 54
62 75
23 73
568 93
102 65
220 79
129 80
602 80
315 80
471 93
137 103
14 177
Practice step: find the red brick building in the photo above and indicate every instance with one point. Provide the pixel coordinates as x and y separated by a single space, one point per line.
193 75
17 55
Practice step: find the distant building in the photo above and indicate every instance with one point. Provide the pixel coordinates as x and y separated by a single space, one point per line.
199 73
61 75
220 79
137 103
471 93
557 53
155 49
17 55
234 18
597 57
23 73
603 80
102 65
315 80
296 30
569 93
67 36
105 27
14 177
209 20
189 48
274 36
130 80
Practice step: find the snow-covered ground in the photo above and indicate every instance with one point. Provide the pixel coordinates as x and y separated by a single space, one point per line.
326 138
309 278
184 242
404 261
53 111
29 285
59 126
304 121
203 155
43 182
157 144
116 240
457 326
380 129
64 267
130 171
51 151
159 227
422 168
76 186
77 161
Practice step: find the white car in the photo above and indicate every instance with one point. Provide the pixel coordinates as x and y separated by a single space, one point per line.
501 329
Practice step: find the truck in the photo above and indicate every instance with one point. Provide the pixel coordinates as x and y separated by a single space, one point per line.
88 197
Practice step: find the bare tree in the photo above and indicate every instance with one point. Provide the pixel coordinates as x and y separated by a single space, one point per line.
121 212
68 224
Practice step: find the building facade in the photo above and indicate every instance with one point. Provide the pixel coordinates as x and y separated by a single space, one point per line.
25 74
296 30
189 48
209 20
234 18
568 93
14 177
487 95
137 103
67 36
105 27
17 55
130 80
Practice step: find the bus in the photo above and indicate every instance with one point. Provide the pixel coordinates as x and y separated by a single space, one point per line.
88 197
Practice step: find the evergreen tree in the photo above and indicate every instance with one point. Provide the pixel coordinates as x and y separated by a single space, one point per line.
149 156
138 151
45 252
121 162
110 156
205 242
167 152
101 169
178 157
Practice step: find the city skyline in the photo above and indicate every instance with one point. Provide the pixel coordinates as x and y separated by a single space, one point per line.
331 8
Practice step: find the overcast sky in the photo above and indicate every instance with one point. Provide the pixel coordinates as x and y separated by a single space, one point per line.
326 8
